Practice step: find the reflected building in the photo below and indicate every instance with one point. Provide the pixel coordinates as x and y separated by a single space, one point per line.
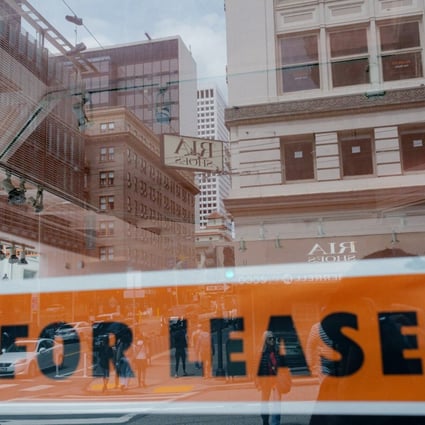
214 187
93 167
326 128
154 79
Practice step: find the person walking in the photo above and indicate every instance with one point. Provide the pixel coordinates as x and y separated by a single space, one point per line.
203 350
180 345
141 361
123 370
267 373
105 356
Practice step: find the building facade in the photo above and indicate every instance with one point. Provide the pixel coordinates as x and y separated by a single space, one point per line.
214 188
326 128
155 79
146 212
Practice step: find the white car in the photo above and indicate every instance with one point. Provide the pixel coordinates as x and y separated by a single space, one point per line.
69 331
27 357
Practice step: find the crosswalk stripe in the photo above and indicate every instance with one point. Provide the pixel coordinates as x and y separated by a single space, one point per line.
4 386
71 421
37 388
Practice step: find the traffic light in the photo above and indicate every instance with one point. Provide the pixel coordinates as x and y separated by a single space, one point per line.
210 257
228 256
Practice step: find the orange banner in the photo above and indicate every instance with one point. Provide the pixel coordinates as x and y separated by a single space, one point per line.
335 334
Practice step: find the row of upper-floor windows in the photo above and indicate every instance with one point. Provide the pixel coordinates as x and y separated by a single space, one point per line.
157 178
162 210
357 155
350 56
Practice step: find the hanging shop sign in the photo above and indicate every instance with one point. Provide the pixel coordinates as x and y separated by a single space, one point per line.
192 153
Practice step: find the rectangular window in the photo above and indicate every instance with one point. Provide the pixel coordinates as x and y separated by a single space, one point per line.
298 159
106 253
106 154
401 51
356 153
106 202
349 57
106 228
106 178
300 62
413 149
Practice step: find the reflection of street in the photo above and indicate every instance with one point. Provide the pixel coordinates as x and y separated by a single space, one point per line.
163 391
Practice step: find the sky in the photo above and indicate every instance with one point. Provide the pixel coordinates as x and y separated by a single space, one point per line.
200 24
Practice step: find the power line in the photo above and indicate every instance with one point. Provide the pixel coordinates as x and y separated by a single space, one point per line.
85 27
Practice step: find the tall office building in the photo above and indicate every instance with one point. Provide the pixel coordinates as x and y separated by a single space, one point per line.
326 118
155 79
214 188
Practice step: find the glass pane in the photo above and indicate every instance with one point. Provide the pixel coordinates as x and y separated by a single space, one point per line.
400 36
357 156
413 150
298 162
299 49
301 78
399 67
346 43
350 72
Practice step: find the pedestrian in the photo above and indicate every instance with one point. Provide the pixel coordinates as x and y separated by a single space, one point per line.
123 370
106 354
267 381
203 352
141 361
180 346
194 343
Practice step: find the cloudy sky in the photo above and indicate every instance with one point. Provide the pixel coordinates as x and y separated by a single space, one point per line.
200 23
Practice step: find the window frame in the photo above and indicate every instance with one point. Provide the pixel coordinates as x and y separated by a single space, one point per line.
356 136
285 142
408 134
298 66
400 52
362 56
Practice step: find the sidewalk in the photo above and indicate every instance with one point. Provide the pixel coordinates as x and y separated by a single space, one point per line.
159 380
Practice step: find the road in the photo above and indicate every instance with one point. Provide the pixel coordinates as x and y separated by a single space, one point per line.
70 396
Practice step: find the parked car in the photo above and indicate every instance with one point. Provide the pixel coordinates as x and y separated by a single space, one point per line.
26 357
74 331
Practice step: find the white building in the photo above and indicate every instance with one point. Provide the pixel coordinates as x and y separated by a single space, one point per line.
327 129
214 188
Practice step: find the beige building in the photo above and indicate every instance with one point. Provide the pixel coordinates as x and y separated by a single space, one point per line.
145 217
326 119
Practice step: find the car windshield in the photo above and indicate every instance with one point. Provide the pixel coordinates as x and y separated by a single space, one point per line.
212 211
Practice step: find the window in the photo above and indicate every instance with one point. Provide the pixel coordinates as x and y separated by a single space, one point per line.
400 51
349 57
107 154
413 148
106 202
106 228
356 153
300 62
106 178
106 253
298 159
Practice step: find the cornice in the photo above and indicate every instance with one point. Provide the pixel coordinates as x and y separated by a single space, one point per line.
325 106
377 200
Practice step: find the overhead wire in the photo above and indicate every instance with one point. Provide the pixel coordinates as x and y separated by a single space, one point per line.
85 27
